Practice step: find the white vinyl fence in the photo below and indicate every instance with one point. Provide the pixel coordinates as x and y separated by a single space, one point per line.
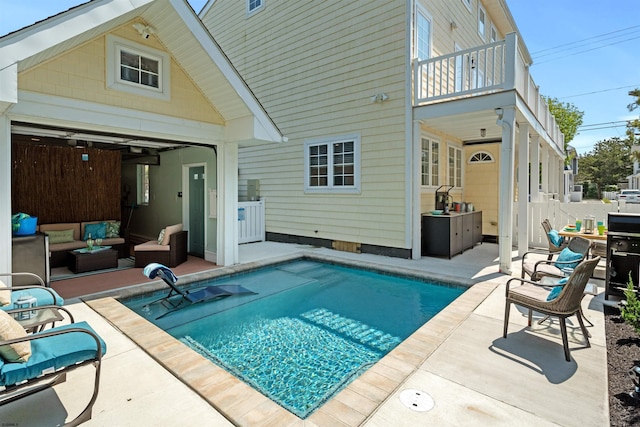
251 223
561 214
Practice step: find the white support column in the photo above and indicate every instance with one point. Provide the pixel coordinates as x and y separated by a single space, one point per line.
5 194
507 163
416 218
227 244
523 190
544 160
534 159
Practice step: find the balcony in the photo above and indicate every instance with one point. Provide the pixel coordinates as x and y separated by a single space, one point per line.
488 69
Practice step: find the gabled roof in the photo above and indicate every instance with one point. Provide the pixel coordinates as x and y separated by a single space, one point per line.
176 26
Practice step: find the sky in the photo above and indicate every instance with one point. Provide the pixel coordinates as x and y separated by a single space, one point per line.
585 52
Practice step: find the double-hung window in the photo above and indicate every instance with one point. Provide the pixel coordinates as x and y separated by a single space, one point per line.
455 166
430 165
137 69
332 165
482 21
422 34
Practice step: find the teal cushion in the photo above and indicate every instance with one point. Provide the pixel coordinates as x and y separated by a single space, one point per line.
555 238
568 255
97 231
557 289
42 295
55 352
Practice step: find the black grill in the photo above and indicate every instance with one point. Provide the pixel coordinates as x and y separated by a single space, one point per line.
623 252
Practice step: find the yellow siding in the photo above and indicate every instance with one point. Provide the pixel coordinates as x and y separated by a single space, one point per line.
81 74
314 67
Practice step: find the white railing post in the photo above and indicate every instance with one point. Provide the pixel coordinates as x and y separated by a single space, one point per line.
511 58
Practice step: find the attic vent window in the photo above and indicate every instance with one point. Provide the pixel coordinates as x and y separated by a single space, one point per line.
481 157
137 69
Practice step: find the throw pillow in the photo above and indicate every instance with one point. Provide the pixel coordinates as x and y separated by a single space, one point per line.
555 238
568 255
169 231
61 236
5 294
556 290
113 229
97 231
161 236
10 329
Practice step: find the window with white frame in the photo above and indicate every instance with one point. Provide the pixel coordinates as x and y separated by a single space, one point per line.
333 164
481 157
137 69
494 34
482 20
430 153
422 34
455 166
142 181
254 6
467 3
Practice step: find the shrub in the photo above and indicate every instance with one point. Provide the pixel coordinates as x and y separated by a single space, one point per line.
630 307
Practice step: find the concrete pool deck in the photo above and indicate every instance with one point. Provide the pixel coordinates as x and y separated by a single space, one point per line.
459 359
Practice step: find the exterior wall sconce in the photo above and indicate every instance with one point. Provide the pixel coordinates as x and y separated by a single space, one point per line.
144 30
483 132
379 97
453 25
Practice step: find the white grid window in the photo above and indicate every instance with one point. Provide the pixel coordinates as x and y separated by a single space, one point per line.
467 3
254 6
137 69
332 165
430 165
455 166
422 34
482 21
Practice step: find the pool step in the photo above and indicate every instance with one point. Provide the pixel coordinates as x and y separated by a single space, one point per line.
353 329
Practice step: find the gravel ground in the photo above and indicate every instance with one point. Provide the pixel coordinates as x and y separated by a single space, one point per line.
623 352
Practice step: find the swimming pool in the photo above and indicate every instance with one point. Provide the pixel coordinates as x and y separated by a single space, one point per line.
311 328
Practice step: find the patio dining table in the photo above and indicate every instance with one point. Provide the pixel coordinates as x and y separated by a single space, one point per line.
591 236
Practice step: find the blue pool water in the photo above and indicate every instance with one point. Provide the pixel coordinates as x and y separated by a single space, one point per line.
310 329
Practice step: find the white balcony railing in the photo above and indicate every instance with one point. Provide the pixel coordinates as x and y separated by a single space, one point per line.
481 70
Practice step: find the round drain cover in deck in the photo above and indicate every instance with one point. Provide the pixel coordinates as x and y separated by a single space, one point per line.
416 400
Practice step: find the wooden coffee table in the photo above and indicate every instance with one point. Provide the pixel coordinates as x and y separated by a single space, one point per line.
81 261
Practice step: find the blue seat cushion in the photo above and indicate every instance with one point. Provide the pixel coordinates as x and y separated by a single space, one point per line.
555 238
52 353
42 295
568 255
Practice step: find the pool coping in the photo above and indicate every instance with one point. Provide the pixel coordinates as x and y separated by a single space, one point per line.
240 403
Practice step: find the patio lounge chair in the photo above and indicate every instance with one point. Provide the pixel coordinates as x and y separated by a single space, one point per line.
533 296
557 264
32 363
556 242
194 296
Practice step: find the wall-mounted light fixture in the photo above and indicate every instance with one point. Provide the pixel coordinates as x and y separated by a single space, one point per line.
379 97
144 30
453 25
499 113
483 132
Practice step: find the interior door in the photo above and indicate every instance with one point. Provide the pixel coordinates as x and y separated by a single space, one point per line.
196 211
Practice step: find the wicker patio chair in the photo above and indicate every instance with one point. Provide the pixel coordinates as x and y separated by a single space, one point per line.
533 296
555 265
546 226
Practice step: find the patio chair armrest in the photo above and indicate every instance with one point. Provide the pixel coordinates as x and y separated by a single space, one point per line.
521 282
536 253
24 274
43 307
57 331
54 296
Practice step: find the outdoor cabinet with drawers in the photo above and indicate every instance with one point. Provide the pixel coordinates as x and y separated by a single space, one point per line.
449 235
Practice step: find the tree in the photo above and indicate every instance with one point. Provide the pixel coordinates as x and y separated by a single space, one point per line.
568 117
633 126
607 164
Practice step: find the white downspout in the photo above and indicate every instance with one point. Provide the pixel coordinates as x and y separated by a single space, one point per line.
412 149
506 119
